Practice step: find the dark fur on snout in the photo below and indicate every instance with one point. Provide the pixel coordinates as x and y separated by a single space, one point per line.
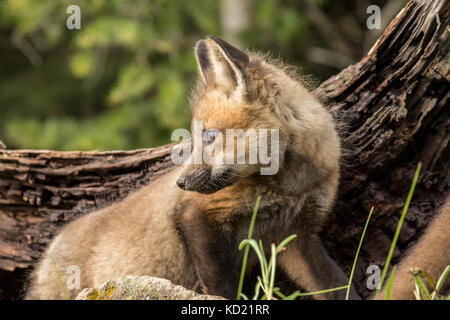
202 181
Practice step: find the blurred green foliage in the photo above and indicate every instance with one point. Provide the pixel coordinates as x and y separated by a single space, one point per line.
123 80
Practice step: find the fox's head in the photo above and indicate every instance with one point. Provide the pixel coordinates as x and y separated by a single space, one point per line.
235 132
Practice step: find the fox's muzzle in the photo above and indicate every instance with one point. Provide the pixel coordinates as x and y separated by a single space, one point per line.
202 181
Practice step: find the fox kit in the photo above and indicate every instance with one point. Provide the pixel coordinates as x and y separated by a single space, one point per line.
187 225
431 254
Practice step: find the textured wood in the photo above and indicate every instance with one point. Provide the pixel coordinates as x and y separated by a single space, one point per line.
41 190
392 109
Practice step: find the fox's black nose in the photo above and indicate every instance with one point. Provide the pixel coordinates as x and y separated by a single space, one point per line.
181 182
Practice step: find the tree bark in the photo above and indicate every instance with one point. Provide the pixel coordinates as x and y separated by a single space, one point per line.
392 111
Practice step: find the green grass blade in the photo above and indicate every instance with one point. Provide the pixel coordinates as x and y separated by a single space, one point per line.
322 291
293 296
61 283
441 281
285 242
247 249
272 270
257 290
399 226
278 293
263 255
429 278
255 247
422 287
262 249
244 296
357 254
390 282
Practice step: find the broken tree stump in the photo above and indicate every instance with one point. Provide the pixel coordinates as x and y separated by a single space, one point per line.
393 111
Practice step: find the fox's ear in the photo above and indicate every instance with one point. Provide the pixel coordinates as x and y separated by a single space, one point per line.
221 64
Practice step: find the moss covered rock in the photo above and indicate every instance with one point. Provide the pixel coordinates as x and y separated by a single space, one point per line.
141 288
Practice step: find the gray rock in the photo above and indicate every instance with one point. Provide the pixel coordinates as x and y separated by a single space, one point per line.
141 288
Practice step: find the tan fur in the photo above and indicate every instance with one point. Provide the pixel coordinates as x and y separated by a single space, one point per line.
133 237
431 254
138 236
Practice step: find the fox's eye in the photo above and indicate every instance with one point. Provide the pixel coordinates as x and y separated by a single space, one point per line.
210 135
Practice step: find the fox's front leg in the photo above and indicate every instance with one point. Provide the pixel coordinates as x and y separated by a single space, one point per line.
308 264
212 250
